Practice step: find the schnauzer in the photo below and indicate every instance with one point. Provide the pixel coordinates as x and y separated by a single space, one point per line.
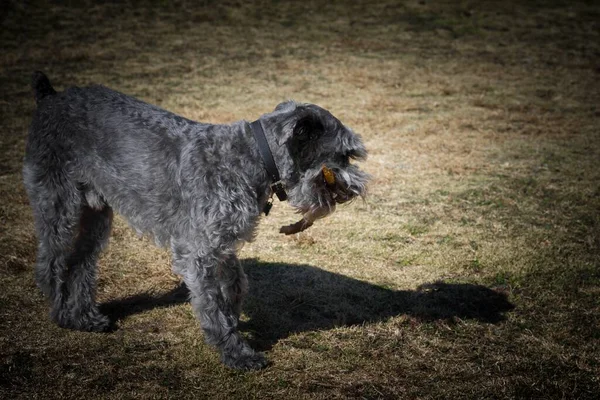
195 187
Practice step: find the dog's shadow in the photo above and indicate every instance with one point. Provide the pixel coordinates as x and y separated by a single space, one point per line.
287 298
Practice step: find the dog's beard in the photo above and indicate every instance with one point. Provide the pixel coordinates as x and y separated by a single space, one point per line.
315 198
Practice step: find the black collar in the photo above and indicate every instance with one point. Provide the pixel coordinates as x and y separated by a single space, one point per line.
267 156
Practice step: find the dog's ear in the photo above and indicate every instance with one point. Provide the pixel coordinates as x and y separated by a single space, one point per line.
308 128
302 124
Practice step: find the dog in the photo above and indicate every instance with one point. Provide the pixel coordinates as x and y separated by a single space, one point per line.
196 188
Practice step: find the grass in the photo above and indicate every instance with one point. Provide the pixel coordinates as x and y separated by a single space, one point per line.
471 271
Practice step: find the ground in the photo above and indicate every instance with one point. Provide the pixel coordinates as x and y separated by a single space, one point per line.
472 269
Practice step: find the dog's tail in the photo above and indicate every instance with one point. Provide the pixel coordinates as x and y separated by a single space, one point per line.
41 86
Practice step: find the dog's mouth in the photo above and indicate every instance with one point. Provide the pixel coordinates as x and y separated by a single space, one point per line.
337 191
338 187
335 186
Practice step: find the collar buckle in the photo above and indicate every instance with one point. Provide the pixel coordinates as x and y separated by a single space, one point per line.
279 189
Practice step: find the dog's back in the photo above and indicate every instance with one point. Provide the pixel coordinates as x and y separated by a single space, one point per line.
111 148
99 146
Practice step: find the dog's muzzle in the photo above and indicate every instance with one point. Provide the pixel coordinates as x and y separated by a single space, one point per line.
340 193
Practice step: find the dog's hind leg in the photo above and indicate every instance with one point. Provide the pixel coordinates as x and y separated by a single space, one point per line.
94 230
56 204
66 252
217 285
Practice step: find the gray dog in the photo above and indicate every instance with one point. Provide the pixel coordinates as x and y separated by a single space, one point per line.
198 188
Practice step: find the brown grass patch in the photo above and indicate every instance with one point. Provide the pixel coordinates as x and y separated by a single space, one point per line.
482 125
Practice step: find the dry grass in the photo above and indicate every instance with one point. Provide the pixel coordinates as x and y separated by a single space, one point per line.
473 269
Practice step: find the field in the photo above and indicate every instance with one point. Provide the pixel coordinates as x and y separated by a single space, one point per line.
471 270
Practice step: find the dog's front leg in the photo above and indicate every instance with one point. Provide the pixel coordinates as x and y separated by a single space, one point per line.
217 284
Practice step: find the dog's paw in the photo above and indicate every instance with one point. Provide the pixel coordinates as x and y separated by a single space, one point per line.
248 361
91 321
94 322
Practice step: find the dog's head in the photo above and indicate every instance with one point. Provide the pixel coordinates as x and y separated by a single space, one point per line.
315 154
